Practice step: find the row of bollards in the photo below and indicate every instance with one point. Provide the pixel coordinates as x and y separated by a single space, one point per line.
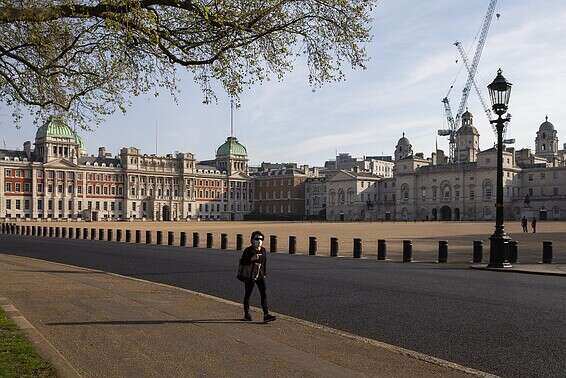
357 252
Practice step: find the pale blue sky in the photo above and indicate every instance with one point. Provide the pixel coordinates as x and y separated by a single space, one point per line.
412 65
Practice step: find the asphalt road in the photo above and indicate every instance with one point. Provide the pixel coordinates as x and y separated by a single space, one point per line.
503 323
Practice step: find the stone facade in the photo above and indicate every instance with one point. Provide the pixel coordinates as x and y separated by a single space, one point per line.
436 189
57 179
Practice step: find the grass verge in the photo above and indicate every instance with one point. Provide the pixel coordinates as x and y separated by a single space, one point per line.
17 355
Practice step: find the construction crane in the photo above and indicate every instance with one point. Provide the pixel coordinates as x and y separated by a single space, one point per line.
454 122
486 109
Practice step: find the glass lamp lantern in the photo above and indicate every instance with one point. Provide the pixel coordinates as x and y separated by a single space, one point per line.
499 92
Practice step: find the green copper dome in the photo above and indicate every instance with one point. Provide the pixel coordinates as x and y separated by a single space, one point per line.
56 127
231 147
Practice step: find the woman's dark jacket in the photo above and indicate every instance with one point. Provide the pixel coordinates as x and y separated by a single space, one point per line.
247 256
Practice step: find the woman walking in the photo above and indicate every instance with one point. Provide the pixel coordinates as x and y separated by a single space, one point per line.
252 271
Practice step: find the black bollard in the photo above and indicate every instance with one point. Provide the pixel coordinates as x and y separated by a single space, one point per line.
381 249
109 234
209 240
138 236
159 238
357 248
128 236
239 242
57 232
196 239
513 251
312 245
333 247
118 235
223 241
547 252
170 238
71 233
101 234
183 239
407 251
478 252
443 251
292 244
147 237
272 243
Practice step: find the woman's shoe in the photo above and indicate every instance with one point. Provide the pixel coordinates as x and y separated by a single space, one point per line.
269 318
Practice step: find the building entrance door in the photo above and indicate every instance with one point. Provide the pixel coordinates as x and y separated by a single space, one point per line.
445 213
166 213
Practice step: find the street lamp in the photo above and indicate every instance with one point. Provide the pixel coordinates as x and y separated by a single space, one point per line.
499 92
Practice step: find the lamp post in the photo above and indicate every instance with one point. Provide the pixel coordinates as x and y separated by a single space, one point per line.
499 92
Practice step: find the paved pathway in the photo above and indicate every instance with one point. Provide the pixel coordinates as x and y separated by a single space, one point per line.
104 325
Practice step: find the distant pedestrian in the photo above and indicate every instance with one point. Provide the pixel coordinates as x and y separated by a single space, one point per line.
524 223
534 225
253 271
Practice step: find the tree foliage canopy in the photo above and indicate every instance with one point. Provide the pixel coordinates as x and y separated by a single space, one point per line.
85 58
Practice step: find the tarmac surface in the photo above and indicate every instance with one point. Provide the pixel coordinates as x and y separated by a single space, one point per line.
504 324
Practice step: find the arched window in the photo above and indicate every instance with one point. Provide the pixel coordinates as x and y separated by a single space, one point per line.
405 192
341 197
350 196
487 189
445 191
332 197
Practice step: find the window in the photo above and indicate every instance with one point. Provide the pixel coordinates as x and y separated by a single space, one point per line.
472 195
26 204
18 187
39 204
530 191
8 172
530 177
133 206
70 205
8 186
80 206
59 188
79 189
27 187
60 204
70 189
487 189
555 191
40 188
97 205
8 204
50 188
105 206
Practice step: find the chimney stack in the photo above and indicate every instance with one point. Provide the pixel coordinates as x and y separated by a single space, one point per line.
101 152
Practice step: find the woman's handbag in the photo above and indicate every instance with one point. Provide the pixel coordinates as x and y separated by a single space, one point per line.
245 272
